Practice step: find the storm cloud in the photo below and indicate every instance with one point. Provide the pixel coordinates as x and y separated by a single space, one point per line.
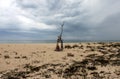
41 19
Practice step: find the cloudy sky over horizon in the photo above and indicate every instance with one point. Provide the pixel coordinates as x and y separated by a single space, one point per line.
41 19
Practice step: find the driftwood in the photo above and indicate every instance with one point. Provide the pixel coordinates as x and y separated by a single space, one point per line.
59 40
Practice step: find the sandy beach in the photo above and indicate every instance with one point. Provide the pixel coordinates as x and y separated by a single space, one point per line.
77 61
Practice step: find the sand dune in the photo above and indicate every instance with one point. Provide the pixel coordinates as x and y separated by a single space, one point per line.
76 61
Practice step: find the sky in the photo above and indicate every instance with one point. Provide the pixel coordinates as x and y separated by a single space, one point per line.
42 19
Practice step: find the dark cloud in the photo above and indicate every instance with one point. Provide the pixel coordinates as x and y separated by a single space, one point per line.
109 28
26 4
54 4
41 19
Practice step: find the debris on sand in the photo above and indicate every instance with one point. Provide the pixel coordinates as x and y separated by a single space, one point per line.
100 60
70 55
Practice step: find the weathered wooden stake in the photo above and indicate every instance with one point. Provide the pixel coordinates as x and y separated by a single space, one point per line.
59 40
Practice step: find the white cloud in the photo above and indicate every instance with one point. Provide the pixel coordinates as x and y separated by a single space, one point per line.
81 16
99 10
5 3
28 24
14 16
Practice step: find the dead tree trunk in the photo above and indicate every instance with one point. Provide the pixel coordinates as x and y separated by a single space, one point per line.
59 40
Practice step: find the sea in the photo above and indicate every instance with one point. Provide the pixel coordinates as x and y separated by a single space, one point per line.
51 41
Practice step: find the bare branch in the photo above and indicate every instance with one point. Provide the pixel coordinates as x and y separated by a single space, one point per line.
62 29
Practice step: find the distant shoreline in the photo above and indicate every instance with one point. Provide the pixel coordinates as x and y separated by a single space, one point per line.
51 41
